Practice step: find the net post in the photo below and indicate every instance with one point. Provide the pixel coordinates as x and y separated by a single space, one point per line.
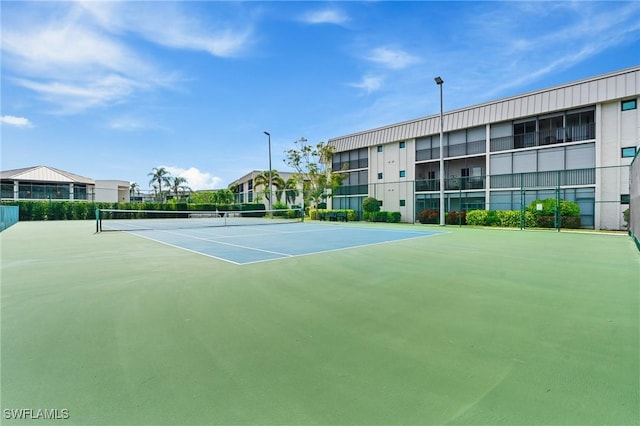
98 227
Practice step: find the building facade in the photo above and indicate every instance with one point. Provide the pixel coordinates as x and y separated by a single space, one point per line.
573 142
248 189
48 183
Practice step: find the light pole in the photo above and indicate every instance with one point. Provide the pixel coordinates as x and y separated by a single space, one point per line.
440 82
302 141
270 194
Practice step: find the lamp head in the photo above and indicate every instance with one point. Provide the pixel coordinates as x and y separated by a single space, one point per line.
439 80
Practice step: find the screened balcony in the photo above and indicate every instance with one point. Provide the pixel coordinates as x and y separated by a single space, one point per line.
545 137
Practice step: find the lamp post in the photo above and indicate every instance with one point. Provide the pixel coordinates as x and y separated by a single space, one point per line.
440 82
270 194
302 141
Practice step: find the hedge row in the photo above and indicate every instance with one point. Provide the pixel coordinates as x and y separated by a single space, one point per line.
81 210
327 214
382 216
502 218
512 219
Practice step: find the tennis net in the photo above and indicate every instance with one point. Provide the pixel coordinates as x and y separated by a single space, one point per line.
139 220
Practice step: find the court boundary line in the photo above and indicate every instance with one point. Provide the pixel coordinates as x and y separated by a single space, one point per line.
282 255
348 248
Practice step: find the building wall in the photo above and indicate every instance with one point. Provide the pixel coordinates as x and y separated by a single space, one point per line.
112 191
248 192
576 126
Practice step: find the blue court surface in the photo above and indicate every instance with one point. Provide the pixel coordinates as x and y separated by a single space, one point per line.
243 245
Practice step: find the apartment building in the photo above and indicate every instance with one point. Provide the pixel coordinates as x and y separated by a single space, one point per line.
573 142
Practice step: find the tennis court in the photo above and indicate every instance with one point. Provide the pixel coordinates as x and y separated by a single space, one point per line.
390 324
248 244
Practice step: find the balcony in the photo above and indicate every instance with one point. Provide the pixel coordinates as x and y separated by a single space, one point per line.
452 184
544 137
352 190
457 150
545 179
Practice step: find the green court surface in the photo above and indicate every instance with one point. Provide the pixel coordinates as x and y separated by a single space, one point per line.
474 326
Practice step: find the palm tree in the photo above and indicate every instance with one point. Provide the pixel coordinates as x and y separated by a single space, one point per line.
291 190
161 176
134 188
276 182
235 189
177 184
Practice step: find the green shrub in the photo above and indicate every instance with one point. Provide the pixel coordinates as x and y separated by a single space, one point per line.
492 218
370 205
567 208
393 217
477 217
625 217
570 222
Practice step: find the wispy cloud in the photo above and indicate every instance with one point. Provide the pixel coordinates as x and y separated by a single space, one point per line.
574 33
78 56
168 25
130 124
196 179
325 16
391 58
12 120
369 83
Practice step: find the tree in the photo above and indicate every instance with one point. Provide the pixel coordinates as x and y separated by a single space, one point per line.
179 184
134 189
203 197
312 166
291 190
223 196
160 176
277 183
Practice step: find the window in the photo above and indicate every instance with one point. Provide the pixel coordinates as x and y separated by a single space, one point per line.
402 203
624 199
403 173
629 104
629 152
379 148
523 134
379 175
403 144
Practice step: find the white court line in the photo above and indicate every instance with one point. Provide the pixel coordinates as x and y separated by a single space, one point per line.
186 249
283 255
227 244
348 248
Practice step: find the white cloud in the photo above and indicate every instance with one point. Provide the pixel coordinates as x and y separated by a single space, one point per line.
76 96
327 16
15 121
523 53
369 83
79 56
167 24
392 58
196 179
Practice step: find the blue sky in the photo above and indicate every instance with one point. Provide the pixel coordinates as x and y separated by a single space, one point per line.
110 90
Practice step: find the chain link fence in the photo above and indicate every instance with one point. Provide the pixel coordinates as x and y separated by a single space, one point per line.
536 199
634 200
